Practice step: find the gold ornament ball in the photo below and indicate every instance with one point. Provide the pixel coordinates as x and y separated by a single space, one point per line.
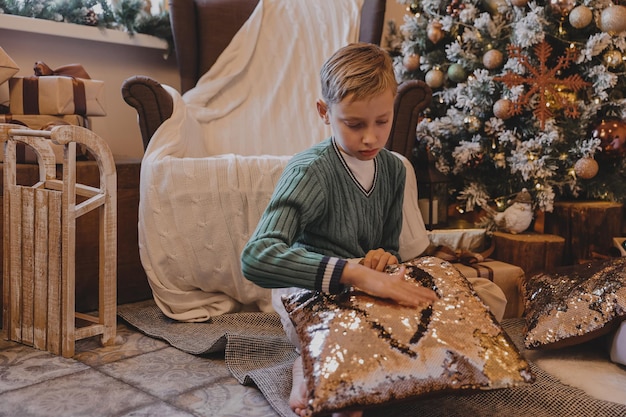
472 123
519 3
562 7
411 62
586 168
612 58
434 78
435 32
503 108
580 17
613 19
456 73
493 59
500 160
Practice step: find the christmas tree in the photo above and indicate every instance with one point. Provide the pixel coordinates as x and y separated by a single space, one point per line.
526 94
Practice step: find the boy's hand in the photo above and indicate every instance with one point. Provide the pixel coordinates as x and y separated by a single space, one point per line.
378 259
390 286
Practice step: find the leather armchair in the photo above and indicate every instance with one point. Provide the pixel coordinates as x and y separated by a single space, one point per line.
202 29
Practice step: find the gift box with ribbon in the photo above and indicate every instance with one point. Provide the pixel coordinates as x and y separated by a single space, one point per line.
469 250
8 67
64 90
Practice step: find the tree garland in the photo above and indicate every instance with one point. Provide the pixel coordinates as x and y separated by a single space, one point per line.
129 15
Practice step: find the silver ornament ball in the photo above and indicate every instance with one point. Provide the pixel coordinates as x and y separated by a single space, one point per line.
411 62
434 78
586 168
580 17
613 20
503 108
493 59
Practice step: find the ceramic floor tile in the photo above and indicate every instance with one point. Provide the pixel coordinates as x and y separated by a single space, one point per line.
87 393
123 380
128 343
226 397
160 409
21 366
167 372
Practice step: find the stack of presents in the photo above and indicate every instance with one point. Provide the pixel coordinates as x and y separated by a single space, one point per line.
470 251
49 97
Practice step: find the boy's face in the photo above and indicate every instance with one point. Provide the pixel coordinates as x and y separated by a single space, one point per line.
361 128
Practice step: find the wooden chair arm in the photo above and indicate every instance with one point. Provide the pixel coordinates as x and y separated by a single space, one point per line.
153 103
413 98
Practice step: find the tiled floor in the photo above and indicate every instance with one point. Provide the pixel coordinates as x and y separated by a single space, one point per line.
139 376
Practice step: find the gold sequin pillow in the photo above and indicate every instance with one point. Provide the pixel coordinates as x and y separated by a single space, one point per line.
359 351
574 304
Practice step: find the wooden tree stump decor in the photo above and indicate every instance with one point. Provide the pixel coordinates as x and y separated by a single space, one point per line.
40 241
533 252
587 226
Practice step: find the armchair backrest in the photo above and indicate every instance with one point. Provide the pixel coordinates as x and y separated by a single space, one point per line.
202 29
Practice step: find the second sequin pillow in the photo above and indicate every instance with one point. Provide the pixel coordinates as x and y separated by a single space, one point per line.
574 304
360 351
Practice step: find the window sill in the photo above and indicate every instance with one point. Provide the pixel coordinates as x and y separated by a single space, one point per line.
70 30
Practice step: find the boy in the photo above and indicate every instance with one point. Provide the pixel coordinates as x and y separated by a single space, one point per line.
339 200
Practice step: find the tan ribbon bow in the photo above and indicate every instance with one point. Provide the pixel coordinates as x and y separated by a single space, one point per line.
70 70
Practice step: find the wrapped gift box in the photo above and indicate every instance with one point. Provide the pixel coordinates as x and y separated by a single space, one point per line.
56 95
506 276
467 239
467 242
40 122
8 67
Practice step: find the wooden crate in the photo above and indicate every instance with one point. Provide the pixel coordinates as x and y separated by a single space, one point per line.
533 252
587 226
39 242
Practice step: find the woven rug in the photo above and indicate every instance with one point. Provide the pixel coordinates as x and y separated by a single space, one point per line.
257 352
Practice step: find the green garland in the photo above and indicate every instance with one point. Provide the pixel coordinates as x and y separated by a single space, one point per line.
129 15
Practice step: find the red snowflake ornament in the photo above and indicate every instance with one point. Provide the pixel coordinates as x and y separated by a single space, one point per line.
544 82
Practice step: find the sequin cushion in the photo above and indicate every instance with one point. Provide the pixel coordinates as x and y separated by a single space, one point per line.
360 351
574 304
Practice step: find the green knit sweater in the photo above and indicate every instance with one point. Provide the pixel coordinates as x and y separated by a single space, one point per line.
319 216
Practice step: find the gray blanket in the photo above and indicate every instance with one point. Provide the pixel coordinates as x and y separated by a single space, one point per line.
256 351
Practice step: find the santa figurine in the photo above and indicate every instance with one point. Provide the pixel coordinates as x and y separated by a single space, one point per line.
518 216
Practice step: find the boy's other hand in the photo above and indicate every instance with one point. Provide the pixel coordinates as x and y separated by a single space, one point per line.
378 259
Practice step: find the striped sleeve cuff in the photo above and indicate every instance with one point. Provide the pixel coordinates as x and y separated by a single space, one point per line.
329 274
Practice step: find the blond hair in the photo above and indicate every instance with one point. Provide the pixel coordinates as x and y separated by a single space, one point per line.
362 70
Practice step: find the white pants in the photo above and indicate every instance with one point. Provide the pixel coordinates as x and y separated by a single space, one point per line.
618 345
488 292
